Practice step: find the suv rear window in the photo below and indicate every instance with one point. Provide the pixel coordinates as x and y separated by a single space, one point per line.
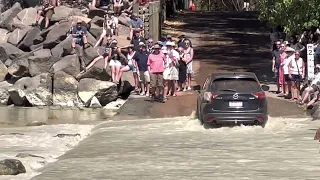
239 85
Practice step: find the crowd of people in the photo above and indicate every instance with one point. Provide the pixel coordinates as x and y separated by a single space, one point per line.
290 70
160 69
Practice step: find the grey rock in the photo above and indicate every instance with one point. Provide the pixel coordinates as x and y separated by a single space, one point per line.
3 71
124 19
16 23
41 62
61 13
10 51
27 16
35 91
91 40
96 12
19 67
95 30
25 155
104 91
126 84
124 31
69 64
4 35
7 16
11 167
91 53
35 123
97 71
57 35
36 46
62 48
8 62
97 21
65 90
4 93
17 35
27 42
43 34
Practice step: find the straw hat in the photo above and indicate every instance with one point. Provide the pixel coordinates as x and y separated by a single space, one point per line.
289 49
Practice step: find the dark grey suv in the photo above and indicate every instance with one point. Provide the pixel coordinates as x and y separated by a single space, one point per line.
232 99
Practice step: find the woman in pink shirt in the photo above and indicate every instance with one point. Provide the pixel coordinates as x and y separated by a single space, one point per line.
282 81
156 62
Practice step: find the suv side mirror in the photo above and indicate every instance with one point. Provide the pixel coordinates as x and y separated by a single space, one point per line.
265 87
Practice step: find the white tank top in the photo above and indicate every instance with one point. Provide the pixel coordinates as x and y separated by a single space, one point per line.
130 57
296 66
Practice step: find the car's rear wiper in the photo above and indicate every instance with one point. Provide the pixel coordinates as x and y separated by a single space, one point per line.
233 90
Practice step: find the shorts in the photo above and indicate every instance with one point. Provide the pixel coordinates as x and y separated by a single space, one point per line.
156 80
77 40
114 63
286 78
48 14
132 68
189 68
295 78
144 76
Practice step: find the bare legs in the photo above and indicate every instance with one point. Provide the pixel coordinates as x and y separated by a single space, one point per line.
166 87
295 90
188 82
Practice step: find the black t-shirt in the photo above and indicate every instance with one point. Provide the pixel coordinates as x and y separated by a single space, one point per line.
135 41
276 55
142 60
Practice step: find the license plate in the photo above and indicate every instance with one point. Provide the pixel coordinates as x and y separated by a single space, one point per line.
235 104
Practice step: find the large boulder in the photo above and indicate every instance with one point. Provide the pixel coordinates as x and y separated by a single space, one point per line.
96 12
17 35
65 90
126 84
104 91
11 167
124 31
28 40
41 62
40 37
95 30
7 16
97 21
4 35
124 19
27 16
9 51
19 67
57 35
69 64
64 46
63 12
97 71
35 91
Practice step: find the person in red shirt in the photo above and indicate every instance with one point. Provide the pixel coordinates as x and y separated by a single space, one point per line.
156 62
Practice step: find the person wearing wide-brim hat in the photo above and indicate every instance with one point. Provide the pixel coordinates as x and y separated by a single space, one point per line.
285 67
156 62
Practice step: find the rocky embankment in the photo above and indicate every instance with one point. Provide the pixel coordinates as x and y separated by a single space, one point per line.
37 69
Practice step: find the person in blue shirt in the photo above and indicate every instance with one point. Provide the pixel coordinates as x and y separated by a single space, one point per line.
79 34
136 24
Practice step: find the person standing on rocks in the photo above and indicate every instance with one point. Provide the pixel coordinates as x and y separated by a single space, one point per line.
117 6
46 12
136 24
141 58
79 34
156 62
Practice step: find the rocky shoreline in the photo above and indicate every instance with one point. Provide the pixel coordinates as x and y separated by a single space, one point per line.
37 69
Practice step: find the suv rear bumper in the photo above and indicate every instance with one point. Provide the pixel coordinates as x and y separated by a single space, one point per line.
235 118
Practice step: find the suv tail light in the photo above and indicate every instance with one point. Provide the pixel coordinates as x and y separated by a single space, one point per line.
209 96
259 95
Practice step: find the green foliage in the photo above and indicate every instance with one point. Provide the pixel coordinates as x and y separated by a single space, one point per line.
294 15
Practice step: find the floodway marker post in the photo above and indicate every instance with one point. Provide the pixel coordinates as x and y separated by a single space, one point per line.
310 61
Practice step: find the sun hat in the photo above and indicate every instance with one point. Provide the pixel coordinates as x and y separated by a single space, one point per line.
156 46
169 36
170 43
142 44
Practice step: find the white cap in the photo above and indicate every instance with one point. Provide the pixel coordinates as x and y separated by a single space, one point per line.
170 43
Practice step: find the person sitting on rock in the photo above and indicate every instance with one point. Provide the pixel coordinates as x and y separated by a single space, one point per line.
114 22
117 6
136 24
99 3
114 62
104 56
137 38
46 12
79 34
